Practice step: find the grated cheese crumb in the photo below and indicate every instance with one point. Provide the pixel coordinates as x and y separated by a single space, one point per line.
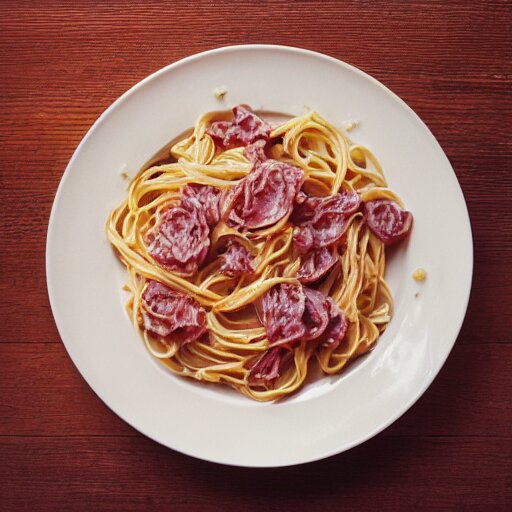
419 274
220 92
351 125
123 172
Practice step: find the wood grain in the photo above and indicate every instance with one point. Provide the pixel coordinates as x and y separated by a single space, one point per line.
35 399
133 473
62 64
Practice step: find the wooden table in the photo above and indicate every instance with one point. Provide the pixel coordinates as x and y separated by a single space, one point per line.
62 64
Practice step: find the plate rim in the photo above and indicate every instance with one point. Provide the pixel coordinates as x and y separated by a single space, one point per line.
406 405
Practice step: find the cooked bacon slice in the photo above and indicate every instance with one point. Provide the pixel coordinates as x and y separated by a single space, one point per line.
236 261
180 240
322 221
316 264
246 128
265 195
387 220
172 315
266 370
208 198
283 307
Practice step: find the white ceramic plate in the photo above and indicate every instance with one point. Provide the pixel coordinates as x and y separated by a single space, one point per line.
208 421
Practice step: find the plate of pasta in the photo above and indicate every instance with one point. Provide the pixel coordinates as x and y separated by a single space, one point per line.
244 261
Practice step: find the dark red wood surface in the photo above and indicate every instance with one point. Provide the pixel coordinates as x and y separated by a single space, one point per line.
62 64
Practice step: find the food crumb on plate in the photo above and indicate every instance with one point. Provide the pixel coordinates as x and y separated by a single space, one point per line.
123 172
220 92
350 125
419 274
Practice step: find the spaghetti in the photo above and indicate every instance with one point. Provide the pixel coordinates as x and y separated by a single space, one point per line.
258 250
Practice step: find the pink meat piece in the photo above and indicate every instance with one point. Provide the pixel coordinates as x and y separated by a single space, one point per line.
265 195
292 313
208 198
255 152
316 264
316 314
303 238
172 315
283 307
337 327
246 128
236 261
305 208
322 221
180 241
387 220
267 369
